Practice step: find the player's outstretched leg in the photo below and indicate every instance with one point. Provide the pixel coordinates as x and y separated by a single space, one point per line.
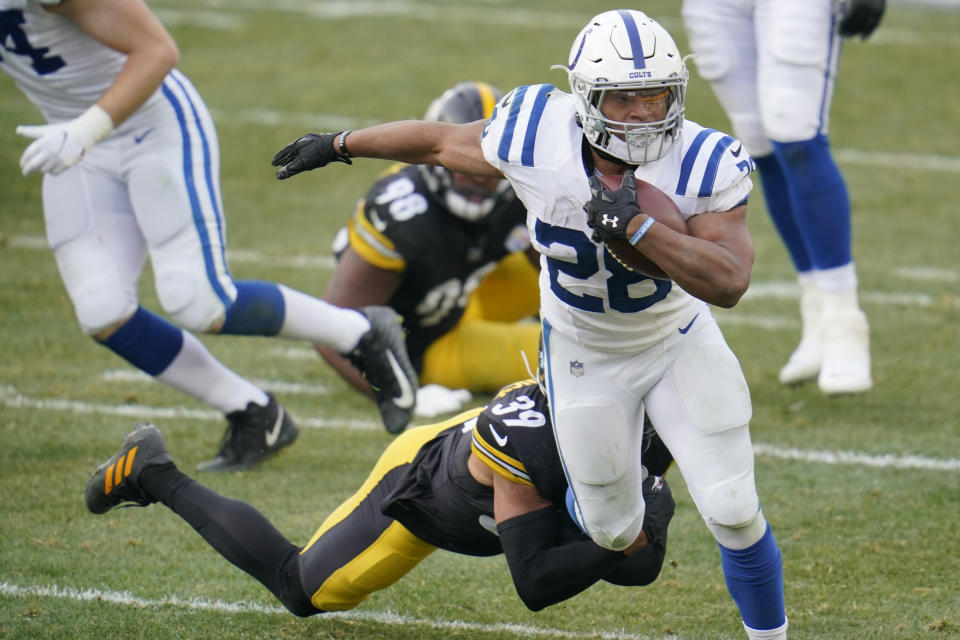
381 356
142 472
116 481
252 435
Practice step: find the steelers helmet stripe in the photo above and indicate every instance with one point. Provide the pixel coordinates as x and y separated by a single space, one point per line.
488 98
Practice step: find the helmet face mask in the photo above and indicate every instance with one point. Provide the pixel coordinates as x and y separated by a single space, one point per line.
467 197
625 51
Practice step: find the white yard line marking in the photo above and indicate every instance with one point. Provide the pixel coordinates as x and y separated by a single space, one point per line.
277 386
858 458
11 398
381 617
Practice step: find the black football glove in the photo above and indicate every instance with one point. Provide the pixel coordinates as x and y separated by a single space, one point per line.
307 152
861 18
609 212
659 509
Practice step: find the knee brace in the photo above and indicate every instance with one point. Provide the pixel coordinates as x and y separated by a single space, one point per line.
602 470
99 303
189 300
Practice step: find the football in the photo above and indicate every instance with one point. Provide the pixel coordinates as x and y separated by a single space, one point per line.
664 210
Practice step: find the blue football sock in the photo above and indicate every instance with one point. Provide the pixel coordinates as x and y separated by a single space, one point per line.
146 341
781 211
755 581
821 205
259 310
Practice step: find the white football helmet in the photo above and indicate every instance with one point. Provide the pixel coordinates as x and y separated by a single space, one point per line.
624 50
470 198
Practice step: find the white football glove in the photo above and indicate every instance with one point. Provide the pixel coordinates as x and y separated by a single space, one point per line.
434 399
58 147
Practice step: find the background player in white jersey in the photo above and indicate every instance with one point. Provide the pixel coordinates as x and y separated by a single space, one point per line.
131 168
451 254
618 344
772 65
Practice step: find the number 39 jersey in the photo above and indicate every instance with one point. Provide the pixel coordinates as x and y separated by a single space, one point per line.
534 138
435 496
400 226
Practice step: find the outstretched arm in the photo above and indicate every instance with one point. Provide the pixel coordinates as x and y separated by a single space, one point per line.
455 146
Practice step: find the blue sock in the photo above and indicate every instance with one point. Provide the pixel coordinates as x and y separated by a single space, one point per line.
258 310
755 581
146 341
781 210
821 205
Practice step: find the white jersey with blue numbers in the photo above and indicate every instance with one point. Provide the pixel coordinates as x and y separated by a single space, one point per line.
61 69
534 139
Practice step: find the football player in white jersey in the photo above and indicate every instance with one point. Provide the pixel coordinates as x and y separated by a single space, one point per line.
772 65
617 344
131 168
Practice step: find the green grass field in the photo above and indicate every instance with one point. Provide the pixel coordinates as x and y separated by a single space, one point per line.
863 492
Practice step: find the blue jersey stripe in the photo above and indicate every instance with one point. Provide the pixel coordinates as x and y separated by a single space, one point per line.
198 221
506 139
639 61
536 112
710 173
689 159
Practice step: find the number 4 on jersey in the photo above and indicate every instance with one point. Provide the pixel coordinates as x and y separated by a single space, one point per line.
14 40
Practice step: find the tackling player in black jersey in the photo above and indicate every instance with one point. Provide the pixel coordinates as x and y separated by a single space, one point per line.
488 481
452 255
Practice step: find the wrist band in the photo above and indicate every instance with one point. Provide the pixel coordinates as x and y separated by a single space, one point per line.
342 143
642 230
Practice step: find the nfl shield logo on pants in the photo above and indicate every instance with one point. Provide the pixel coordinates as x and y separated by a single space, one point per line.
576 368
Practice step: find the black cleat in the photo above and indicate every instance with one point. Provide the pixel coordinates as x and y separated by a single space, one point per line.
381 356
117 480
252 435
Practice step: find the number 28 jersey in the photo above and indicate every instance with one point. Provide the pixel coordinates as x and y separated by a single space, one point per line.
534 138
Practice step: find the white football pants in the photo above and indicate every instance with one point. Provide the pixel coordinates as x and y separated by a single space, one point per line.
698 400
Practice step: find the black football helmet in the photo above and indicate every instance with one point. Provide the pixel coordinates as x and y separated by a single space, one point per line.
470 198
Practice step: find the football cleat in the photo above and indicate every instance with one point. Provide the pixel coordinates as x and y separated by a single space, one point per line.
804 363
846 354
252 435
117 481
381 356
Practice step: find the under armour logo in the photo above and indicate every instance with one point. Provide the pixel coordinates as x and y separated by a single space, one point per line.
610 222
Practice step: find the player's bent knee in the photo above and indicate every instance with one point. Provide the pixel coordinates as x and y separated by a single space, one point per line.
788 115
188 300
100 306
733 503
